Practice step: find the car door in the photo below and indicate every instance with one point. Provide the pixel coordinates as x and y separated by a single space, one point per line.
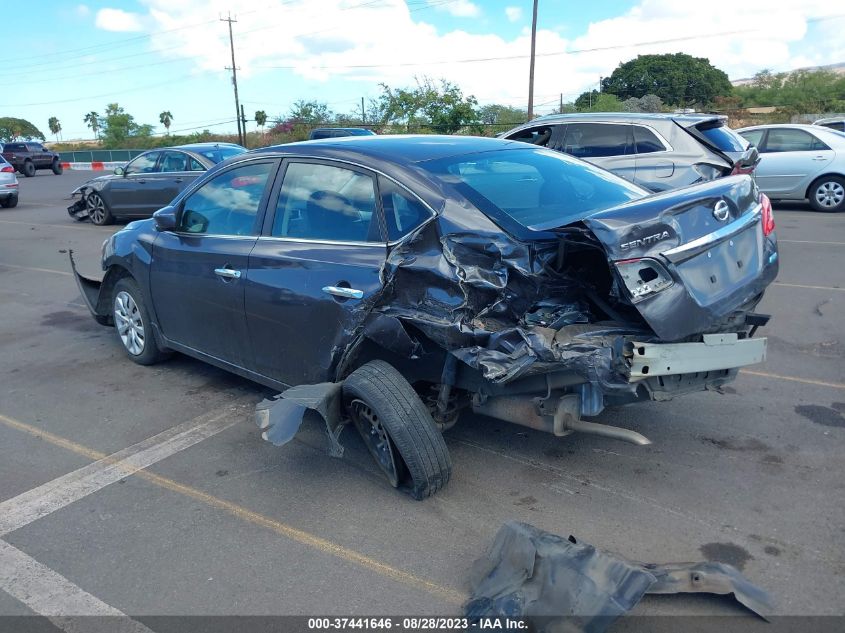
655 164
608 145
790 159
198 271
133 193
175 173
38 154
314 270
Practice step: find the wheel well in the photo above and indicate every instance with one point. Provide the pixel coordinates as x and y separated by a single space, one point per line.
822 177
114 274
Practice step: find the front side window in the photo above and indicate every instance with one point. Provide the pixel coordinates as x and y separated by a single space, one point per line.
535 135
646 141
144 164
792 140
324 202
227 204
538 189
402 211
595 140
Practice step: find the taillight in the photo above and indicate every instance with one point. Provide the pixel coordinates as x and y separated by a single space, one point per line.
768 216
643 277
7 169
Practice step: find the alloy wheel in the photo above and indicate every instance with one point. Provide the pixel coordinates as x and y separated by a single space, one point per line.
96 208
127 320
376 438
830 194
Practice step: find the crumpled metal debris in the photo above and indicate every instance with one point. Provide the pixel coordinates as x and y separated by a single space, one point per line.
558 584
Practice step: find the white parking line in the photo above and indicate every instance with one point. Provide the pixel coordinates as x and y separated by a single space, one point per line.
37 270
811 242
54 495
786 285
50 594
89 227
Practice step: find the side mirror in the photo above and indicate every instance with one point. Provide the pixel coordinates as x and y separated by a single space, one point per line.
165 218
118 171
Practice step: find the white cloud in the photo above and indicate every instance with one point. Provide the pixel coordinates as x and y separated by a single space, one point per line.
338 40
457 8
82 10
514 14
118 20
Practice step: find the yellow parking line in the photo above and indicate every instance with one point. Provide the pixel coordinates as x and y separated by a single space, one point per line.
37 270
806 381
780 283
300 536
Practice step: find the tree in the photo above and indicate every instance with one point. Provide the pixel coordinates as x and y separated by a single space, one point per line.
677 78
261 119
439 108
800 91
55 126
310 113
118 125
166 119
92 119
12 128
648 103
595 101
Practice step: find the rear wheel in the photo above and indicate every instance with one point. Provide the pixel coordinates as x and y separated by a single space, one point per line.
132 324
9 202
397 429
828 194
97 209
28 169
57 168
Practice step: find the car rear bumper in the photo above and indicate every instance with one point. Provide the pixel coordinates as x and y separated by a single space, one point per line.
715 352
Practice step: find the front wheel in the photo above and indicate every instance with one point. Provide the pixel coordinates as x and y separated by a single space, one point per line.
398 429
97 209
57 168
132 324
828 194
29 169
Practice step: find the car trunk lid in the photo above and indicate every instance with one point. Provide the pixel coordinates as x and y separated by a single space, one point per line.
715 134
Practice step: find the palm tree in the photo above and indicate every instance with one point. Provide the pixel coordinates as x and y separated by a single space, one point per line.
55 126
261 120
166 119
93 121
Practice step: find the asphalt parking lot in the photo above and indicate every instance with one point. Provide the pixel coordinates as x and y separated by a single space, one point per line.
214 521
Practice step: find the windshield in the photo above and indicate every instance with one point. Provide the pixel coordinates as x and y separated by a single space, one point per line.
722 137
539 189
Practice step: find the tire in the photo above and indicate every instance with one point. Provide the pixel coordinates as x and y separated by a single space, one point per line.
132 324
827 194
10 202
422 460
57 168
98 210
28 169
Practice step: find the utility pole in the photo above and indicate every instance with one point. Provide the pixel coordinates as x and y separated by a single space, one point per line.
234 70
363 113
531 68
600 80
560 110
243 121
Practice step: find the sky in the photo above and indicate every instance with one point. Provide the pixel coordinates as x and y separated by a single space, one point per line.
155 55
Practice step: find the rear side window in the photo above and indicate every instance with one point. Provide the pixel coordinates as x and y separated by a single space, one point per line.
721 136
646 141
594 140
402 211
14 147
792 140
324 202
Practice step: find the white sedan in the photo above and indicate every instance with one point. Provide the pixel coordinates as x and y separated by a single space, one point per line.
8 185
800 162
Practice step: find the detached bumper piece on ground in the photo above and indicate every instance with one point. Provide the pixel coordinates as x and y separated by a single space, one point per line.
559 584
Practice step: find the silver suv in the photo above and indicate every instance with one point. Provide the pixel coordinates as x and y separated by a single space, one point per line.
655 151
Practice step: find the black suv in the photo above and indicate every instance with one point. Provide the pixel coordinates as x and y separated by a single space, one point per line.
29 156
656 151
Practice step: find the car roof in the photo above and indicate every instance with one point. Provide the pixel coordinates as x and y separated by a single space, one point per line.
398 148
626 116
796 126
202 145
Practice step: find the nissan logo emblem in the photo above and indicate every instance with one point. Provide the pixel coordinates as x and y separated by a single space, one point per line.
721 211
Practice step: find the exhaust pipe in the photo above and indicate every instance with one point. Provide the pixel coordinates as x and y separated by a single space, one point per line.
529 412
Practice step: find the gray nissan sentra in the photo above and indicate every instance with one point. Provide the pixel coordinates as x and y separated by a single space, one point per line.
395 282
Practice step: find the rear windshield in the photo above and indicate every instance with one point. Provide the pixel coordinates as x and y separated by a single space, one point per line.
722 137
219 154
537 188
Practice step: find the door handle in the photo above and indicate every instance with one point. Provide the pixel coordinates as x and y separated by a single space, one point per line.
819 158
346 293
228 273
178 180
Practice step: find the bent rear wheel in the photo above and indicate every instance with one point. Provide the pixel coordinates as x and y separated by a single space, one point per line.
398 429
828 194
97 209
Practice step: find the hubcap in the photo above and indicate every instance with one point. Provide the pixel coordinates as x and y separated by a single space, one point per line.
376 438
96 208
830 194
127 320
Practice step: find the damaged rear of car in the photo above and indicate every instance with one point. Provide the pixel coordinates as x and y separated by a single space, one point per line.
396 282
